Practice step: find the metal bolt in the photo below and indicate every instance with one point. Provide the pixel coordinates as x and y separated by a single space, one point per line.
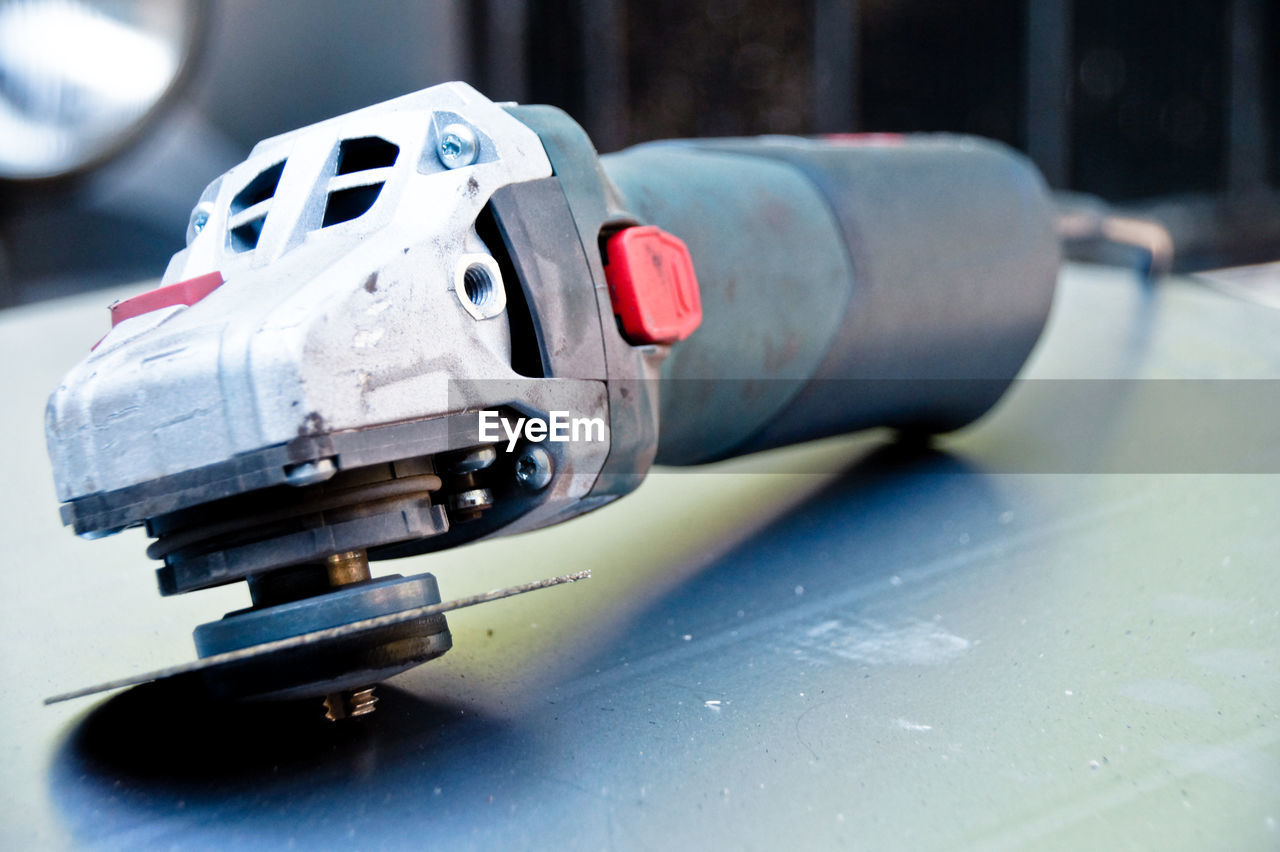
458 146
349 704
472 499
534 468
350 566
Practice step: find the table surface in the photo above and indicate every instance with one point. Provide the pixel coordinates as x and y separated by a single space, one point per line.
990 643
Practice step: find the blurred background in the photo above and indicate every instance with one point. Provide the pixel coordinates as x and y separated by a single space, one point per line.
115 114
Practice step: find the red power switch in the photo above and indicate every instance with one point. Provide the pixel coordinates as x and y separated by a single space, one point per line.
652 285
183 293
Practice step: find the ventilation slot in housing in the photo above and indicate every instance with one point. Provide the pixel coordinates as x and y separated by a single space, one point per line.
245 237
371 152
347 204
359 179
249 208
259 189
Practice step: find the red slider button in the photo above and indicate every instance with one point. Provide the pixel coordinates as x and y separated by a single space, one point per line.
183 293
652 285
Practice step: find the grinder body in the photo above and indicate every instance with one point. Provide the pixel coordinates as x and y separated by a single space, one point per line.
301 395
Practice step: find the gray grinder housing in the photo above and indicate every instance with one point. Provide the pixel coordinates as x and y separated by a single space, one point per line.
897 281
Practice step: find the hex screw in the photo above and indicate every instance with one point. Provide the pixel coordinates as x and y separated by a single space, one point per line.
458 146
534 468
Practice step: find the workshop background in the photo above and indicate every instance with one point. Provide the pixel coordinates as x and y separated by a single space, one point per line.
1167 110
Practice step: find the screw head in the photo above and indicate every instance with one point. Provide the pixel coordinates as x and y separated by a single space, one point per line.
199 218
534 468
458 146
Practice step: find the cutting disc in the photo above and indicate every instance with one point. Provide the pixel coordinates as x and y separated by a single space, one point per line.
359 652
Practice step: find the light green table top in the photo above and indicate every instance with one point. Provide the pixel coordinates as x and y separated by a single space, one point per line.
831 645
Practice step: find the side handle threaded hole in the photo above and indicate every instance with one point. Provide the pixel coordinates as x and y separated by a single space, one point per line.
477 282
